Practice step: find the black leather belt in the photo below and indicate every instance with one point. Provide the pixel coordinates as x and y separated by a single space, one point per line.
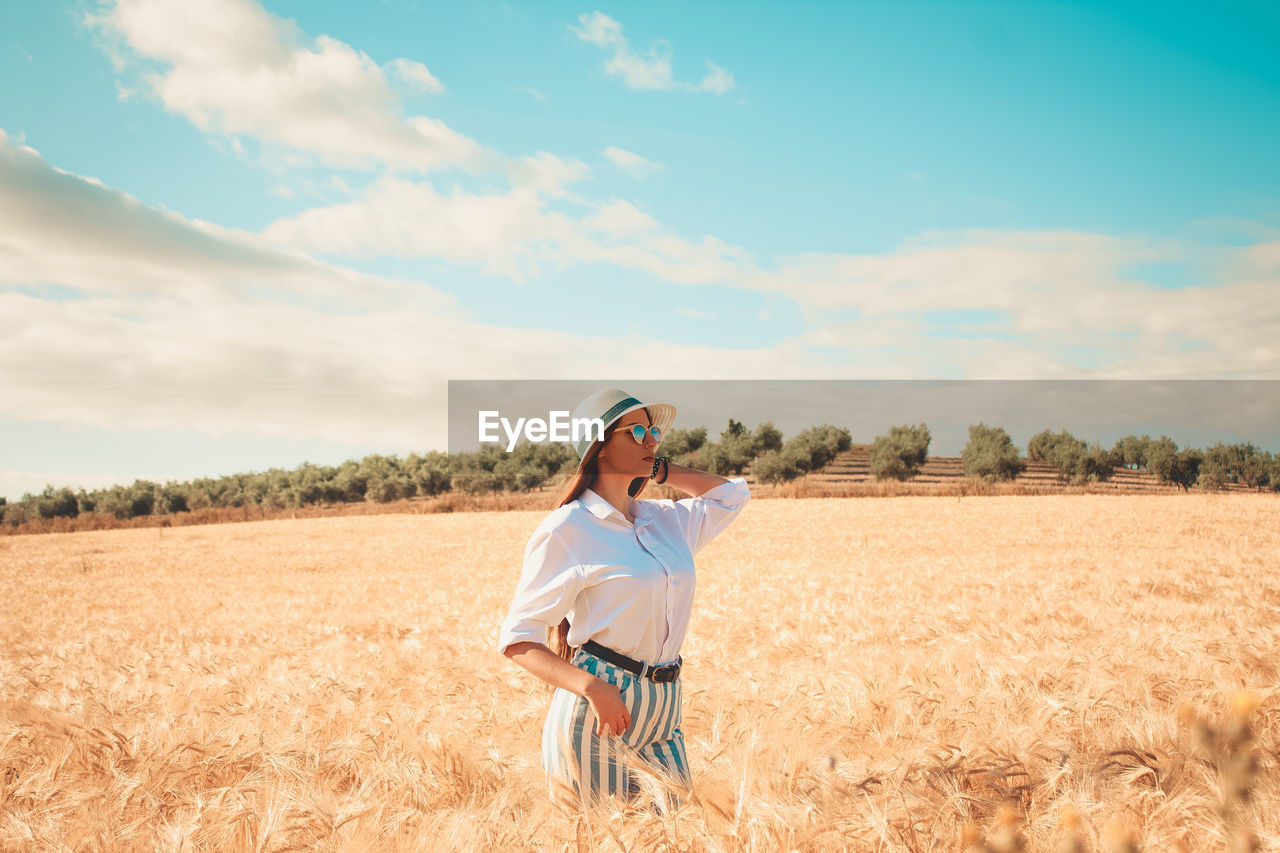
664 673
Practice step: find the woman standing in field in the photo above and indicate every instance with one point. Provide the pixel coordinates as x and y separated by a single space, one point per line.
604 600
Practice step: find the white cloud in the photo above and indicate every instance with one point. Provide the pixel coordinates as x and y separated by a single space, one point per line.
500 232
651 71
405 219
163 322
416 75
648 71
513 233
948 270
121 245
619 218
631 163
717 82
173 322
538 96
546 173
686 311
301 185
1230 230
1050 291
231 68
599 29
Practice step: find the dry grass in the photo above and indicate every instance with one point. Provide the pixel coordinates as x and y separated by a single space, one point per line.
897 674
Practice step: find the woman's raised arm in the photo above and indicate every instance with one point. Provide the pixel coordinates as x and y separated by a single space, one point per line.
691 481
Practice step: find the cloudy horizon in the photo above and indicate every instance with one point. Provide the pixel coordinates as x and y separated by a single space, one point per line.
240 235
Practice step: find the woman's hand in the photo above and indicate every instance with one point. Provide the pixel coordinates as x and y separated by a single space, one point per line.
605 698
606 703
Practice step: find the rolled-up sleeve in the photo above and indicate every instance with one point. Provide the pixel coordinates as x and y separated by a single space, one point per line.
549 582
704 516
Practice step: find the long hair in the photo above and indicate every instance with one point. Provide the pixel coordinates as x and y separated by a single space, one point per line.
578 481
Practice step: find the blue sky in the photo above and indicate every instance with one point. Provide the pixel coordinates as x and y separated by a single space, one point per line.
245 234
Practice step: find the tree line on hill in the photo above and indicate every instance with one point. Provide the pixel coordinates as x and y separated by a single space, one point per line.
899 454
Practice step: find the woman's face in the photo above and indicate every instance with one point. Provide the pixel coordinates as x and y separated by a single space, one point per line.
621 455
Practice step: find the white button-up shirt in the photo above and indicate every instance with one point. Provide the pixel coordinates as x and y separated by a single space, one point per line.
628 587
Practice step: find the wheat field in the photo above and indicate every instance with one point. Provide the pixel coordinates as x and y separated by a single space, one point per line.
1081 672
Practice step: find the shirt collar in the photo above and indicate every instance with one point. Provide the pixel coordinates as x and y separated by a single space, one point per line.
602 509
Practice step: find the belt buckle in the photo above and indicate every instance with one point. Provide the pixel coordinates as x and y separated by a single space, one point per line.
666 673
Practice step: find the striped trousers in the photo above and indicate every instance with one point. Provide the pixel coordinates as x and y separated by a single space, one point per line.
594 766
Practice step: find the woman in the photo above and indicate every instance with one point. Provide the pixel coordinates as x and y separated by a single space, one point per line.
611 579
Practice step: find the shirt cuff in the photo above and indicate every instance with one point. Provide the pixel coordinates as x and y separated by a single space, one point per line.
510 636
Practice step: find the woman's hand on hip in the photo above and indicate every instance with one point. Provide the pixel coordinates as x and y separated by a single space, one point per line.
606 702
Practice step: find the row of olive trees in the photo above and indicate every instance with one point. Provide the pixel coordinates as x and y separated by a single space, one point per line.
1239 463
493 469
1210 469
381 478
1162 458
806 451
1079 462
375 478
1076 460
990 455
737 448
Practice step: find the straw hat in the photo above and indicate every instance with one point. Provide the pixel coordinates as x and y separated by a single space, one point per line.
610 404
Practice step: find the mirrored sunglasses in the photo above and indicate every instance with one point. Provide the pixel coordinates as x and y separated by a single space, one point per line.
638 431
